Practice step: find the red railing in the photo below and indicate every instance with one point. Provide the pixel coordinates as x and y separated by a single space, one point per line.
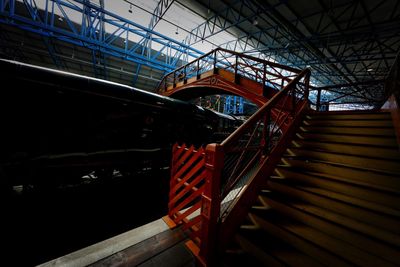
238 167
230 174
187 185
262 71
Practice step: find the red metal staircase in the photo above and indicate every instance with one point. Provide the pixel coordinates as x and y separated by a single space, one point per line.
291 186
332 200
210 202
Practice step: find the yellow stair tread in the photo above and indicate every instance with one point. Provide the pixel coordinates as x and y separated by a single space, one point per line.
341 172
368 244
366 216
340 186
349 149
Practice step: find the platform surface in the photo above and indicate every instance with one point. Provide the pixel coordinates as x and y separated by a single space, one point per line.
153 244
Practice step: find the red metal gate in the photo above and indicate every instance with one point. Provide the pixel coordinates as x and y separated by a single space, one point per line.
186 187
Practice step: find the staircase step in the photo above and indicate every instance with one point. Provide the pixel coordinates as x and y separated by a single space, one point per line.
368 205
374 131
248 224
382 165
348 199
371 179
257 252
238 257
356 213
352 224
374 247
261 204
348 122
350 149
349 116
333 200
274 248
379 131
338 249
376 196
387 142
317 253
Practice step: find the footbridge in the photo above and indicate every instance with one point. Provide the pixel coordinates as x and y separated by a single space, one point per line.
223 71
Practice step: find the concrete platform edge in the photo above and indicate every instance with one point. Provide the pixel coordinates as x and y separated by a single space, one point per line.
103 249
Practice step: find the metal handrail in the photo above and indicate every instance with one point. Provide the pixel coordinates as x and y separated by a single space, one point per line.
237 163
259 113
214 62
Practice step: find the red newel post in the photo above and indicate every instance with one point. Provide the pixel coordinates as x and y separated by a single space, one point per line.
211 204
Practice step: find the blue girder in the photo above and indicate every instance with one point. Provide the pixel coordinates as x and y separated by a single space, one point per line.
233 104
145 43
91 33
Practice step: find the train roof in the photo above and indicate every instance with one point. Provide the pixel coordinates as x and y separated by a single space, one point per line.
62 80
228 116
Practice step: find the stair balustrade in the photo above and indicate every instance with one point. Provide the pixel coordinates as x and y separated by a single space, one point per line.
270 74
235 168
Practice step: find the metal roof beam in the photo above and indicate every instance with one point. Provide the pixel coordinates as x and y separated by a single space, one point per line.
373 29
146 44
263 50
252 40
220 21
92 36
318 53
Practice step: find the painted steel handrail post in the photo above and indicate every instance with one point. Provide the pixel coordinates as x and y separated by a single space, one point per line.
184 74
210 208
174 81
215 61
198 69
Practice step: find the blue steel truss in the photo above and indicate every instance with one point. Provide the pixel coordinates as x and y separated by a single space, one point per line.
233 105
145 42
92 34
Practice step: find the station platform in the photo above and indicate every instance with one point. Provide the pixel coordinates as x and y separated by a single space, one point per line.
153 244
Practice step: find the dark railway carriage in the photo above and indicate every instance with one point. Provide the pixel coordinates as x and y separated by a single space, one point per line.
57 127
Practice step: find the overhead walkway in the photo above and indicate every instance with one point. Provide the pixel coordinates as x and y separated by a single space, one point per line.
227 72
